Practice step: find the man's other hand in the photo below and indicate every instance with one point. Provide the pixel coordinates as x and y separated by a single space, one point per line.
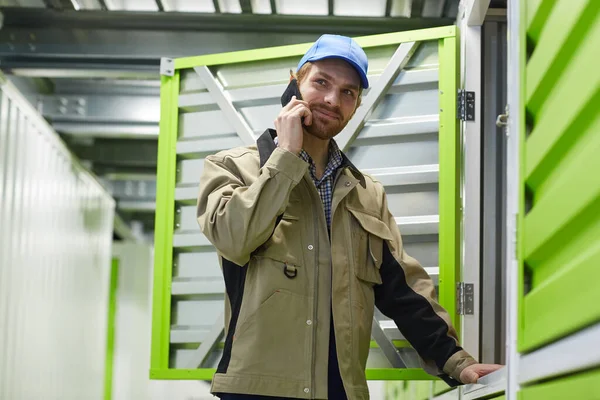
473 372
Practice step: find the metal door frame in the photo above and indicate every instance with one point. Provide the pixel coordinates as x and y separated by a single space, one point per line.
449 186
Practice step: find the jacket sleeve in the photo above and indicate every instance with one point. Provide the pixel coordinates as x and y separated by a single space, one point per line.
407 295
237 218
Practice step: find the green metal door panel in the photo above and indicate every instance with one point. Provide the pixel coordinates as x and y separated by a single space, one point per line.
537 12
165 213
559 230
449 145
583 386
566 26
568 300
216 102
562 122
561 204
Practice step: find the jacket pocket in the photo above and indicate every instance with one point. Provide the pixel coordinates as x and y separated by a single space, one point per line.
285 243
369 233
273 341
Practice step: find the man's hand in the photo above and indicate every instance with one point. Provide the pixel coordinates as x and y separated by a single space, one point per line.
473 372
289 125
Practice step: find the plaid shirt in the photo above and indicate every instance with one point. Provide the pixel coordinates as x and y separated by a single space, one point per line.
325 184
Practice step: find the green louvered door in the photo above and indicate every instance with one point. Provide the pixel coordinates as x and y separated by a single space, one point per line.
559 223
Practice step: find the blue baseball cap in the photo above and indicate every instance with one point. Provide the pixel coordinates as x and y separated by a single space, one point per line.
336 46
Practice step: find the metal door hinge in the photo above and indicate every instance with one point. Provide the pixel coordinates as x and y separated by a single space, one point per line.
466 105
167 66
465 298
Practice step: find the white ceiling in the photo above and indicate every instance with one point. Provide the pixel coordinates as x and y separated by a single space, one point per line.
355 8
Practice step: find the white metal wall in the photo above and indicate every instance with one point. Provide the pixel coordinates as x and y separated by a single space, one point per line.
55 253
398 145
133 320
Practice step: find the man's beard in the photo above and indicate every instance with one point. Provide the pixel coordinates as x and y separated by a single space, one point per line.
325 128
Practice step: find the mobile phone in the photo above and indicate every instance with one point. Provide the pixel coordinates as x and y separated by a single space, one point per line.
290 91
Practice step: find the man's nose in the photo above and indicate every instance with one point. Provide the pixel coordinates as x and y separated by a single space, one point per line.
332 98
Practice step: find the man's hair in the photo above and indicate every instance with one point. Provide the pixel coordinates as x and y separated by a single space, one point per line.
303 72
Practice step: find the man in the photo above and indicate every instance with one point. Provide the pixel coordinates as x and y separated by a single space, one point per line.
308 248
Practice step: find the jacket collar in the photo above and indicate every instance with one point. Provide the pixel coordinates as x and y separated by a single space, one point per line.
266 147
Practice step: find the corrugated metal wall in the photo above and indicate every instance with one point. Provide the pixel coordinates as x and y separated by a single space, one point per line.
55 253
398 145
132 333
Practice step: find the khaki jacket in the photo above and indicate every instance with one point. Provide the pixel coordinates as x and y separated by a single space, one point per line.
283 276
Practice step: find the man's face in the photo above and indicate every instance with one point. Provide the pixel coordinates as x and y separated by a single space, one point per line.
331 88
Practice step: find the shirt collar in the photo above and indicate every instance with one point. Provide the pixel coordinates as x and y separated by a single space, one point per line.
335 155
266 145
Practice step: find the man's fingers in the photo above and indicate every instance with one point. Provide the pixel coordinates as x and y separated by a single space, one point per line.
470 376
297 109
472 373
308 117
301 110
488 369
293 103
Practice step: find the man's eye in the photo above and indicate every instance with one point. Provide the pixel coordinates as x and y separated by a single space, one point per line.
349 92
320 81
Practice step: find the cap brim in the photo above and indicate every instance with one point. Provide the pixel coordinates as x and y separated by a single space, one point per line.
363 77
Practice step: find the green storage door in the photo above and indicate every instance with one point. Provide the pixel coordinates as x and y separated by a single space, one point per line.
585 386
559 226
